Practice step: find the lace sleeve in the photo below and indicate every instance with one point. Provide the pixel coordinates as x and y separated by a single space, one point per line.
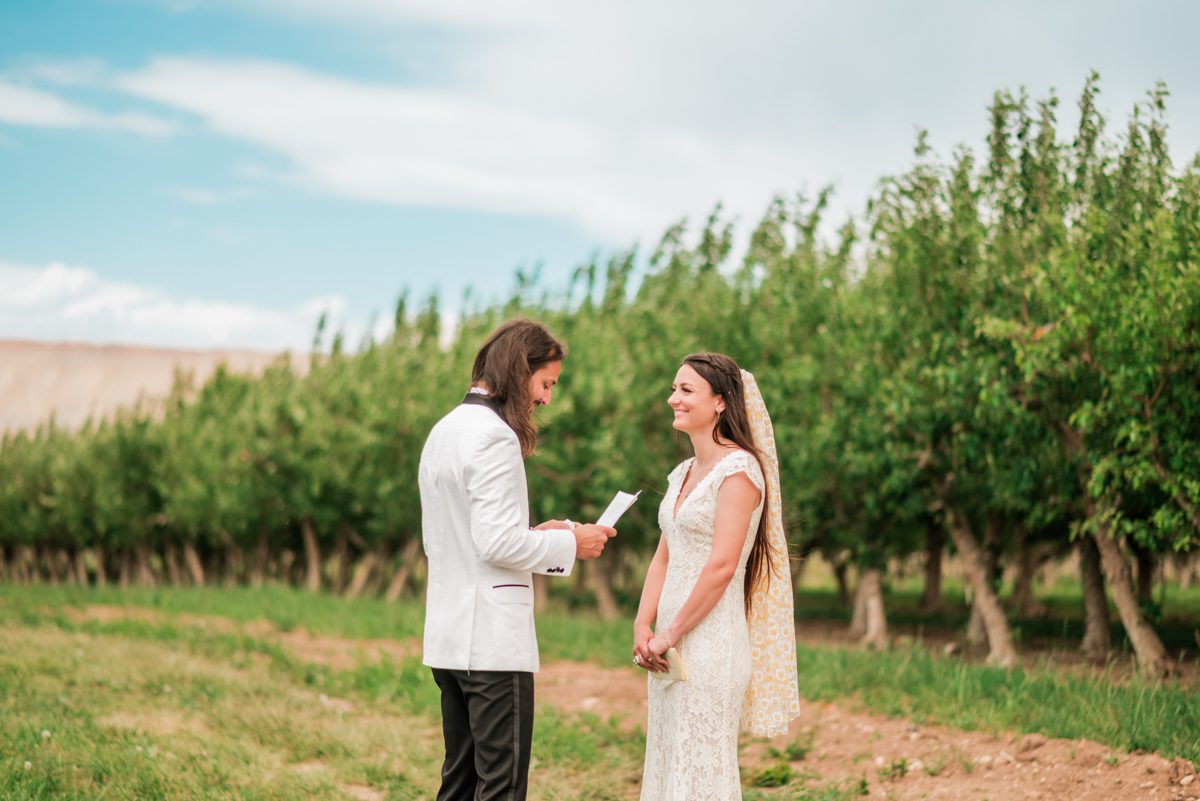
742 462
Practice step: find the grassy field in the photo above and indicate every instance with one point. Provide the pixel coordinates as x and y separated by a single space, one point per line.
158 706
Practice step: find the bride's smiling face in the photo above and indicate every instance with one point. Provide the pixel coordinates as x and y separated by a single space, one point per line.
694 403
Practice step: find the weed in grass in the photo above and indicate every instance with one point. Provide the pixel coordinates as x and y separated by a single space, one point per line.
776 775
896 769
796 749
1111 760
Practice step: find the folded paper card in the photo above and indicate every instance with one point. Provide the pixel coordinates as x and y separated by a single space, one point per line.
618 506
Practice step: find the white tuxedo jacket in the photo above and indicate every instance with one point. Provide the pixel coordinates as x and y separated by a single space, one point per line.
481 551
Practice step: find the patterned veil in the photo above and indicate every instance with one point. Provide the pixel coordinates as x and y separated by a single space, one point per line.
773 697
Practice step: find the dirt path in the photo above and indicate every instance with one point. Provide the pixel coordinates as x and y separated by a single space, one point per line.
898 759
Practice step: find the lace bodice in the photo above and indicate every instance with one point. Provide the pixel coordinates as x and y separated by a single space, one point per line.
692 728
689 529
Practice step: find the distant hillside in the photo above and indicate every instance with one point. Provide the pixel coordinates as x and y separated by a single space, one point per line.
73 381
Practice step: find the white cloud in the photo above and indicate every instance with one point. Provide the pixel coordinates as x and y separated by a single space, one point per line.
64 302
21 105
440 148
622 116
68 72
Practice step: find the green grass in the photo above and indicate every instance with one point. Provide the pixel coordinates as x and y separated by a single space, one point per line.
913 683
89 715
166 709
284 606
65 674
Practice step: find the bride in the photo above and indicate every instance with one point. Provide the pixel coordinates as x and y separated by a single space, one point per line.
718 590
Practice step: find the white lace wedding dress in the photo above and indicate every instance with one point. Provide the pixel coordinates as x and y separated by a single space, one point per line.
692 726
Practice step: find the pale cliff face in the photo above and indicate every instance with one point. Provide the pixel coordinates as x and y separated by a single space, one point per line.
73 381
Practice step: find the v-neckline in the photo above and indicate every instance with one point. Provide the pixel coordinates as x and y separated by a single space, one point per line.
680 498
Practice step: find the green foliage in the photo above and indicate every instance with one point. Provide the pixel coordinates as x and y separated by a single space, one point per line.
1013 337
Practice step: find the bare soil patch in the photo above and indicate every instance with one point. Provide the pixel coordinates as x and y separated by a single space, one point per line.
583 687
336 653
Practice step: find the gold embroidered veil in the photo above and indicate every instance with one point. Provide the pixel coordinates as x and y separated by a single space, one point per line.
773 697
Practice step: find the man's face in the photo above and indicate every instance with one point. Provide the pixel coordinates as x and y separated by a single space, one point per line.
542 382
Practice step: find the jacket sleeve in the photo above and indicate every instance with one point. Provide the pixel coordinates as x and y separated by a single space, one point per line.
494 477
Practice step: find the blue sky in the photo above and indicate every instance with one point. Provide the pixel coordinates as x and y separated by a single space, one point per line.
216 173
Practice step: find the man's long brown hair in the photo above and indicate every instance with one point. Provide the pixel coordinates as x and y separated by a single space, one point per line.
504 365
725 378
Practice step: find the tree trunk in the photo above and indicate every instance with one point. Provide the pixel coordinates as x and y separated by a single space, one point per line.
22 565
1151 656
1096 639
598 581
1023 602
976 635
1146 563
283 565
876 635
858 612
4 562
145 576
408 558
235 563
191 560
312 556
101 557
258 565
1000 647
126 569
65 567
213 567
341 560
170 558
1181 564
935 544
362 571
840 567
80 562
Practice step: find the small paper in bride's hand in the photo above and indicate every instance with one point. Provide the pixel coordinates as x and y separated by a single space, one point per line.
675 669
618 506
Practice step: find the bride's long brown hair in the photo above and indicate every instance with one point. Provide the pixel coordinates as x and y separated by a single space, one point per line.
725 377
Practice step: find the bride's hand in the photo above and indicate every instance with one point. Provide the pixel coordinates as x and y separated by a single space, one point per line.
643 657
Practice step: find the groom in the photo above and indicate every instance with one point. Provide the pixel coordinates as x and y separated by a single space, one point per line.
479 634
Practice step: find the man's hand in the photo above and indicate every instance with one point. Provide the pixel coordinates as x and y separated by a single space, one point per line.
553 525
590 540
